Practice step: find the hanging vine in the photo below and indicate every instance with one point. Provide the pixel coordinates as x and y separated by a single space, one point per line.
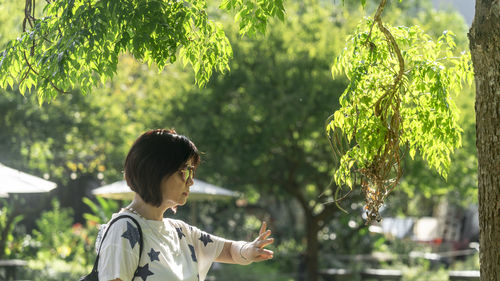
398 99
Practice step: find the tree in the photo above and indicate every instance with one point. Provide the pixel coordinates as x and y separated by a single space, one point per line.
484 38
79 140
259 124
76 44
58 56
290 64
421 189
377 158
398 98
251 125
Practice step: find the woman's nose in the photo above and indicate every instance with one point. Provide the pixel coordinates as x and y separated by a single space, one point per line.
190 181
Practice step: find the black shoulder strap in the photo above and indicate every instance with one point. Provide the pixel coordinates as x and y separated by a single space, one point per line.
96 263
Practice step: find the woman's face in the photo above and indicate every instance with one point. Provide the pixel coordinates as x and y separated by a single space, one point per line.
175 188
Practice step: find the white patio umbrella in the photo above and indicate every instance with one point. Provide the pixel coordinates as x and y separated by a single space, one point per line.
200 190
14 181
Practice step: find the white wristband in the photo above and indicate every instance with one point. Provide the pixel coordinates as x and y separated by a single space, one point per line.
239 252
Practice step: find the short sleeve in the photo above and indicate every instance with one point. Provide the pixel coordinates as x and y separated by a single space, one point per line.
206 246
119 255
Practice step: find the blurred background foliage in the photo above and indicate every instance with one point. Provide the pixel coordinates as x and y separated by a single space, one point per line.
260 128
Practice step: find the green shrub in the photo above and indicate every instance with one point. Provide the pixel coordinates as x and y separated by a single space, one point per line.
422 272
64 250
9 246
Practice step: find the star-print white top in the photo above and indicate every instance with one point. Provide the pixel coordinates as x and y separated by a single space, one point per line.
173 250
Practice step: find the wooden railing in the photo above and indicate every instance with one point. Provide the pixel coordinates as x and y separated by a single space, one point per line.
9 268
335 274
464 275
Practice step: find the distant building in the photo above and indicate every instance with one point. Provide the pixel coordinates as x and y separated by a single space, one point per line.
450 228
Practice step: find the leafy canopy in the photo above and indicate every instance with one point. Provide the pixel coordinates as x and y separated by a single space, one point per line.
76 43
398 98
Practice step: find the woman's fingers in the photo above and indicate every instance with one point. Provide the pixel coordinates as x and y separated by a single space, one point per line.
263 227
264 235
264 254
263 258
262 243
260 254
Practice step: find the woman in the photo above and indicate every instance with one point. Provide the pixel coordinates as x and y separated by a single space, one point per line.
160 168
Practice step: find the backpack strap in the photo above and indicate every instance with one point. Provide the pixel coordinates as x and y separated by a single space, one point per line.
96 263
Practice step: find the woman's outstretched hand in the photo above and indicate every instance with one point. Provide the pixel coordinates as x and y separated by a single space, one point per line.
242 252
255 250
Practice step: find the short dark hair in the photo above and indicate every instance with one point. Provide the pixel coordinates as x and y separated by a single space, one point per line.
153 156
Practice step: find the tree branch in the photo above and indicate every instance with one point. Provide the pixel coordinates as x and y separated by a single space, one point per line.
34 71
392 43
378 14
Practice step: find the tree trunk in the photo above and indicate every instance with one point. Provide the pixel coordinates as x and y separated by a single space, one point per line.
484 37
312 229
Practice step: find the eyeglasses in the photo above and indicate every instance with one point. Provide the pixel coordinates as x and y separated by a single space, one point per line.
187 173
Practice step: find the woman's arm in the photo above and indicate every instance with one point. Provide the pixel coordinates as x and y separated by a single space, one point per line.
225 255
250 251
